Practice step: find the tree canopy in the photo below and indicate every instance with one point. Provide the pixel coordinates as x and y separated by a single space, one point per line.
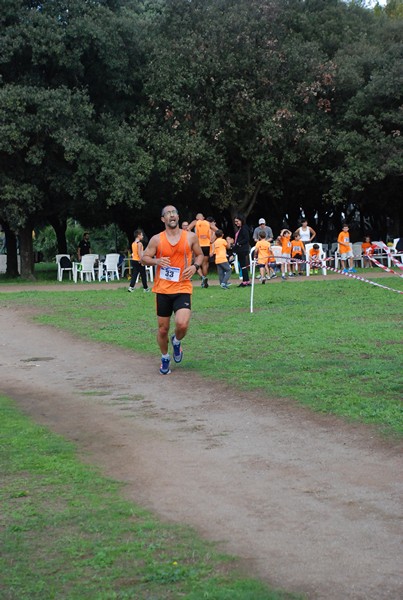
109 107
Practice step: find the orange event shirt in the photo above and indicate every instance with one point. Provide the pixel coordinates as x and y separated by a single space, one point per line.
181 257
285 245
344 242
220 250
367 248
263 251
313 253
135 251
203 232
297 247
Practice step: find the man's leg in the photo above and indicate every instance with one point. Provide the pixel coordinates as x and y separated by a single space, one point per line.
162 335
182 320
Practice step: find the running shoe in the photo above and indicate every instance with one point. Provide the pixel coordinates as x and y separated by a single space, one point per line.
147 290
130 289
224 286
205 282
263 281
178 353
164 368
274 276
283 277
352 270
345 271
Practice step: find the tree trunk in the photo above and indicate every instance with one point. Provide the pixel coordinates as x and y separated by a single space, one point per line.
11 246
60 230
26 252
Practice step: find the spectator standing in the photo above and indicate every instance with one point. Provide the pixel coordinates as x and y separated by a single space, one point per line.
84 247
137 267
285 241
346 250
263 254
263 227
242 248
307 233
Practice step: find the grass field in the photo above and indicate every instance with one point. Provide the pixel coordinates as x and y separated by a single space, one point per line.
333 345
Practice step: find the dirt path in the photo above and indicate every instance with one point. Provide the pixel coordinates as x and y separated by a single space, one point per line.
309 504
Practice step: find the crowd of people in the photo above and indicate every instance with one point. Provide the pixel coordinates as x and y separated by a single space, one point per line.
180 252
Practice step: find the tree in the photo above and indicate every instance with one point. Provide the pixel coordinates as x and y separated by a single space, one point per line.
69 78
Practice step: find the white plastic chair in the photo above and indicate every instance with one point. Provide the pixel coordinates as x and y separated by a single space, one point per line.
382 254
278 253
60 270
392 252
109 268
357 254
322 256
87 267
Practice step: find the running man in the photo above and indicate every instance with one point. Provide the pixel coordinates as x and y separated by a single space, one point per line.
171 251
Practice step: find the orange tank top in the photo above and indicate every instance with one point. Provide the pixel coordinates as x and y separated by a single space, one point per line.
135 251
203 232
170 281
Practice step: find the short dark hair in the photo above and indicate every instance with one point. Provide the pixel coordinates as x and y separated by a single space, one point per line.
219 233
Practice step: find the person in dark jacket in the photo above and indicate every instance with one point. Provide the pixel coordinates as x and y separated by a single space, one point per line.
242 248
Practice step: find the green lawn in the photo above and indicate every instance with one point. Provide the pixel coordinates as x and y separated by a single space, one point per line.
333 345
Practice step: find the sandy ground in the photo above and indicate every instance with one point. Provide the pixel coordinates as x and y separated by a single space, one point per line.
309 503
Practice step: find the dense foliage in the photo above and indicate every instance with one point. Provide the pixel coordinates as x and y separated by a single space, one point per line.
109 107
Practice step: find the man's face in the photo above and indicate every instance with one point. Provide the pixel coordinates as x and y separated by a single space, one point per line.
170 217
185 225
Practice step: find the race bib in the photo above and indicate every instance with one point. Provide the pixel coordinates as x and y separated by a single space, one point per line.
170 273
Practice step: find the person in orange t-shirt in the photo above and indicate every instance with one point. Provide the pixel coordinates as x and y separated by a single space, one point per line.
263 255
314 258
219 250
367 250
204 229
346 250
171 251
137 267
285 240
297 252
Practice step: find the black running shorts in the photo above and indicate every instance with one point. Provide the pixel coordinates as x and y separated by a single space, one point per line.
205 250
169 303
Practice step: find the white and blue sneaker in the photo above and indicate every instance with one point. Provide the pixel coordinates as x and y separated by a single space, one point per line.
352 270
164 368
178 353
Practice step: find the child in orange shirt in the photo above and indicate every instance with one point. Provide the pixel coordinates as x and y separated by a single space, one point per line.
346 250
297 252
262 253
285 240
219 249
367 250
314 258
